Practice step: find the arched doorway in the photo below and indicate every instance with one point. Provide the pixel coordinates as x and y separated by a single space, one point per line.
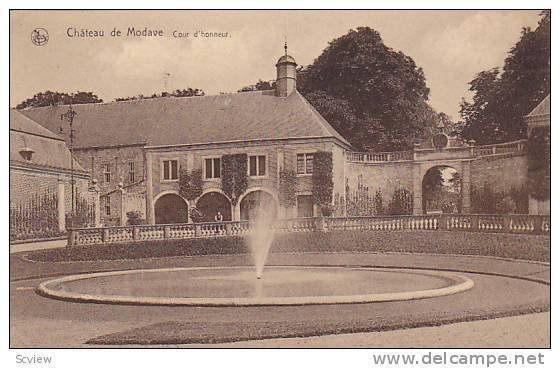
256 203
171 209
211 203
441 190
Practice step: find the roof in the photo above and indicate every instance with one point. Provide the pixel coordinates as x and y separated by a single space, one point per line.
258 115
286 59
49 150
543 108
22 123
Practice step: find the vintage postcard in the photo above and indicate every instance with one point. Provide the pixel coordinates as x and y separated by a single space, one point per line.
281 178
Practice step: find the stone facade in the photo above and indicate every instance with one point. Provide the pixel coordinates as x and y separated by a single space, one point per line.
280 155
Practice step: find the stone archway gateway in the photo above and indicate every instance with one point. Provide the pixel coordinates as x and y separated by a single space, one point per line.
170 208
441 190
213 202
256 201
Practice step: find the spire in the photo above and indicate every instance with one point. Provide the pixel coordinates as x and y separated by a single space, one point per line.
285 45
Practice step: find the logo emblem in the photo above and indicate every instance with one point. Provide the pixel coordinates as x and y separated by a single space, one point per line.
39 36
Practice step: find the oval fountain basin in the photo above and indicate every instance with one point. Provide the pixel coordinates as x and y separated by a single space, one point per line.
231 286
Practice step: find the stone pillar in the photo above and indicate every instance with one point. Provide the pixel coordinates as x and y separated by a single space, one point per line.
121 192
466 187
150 212
417 189
236 215
94 189
61 207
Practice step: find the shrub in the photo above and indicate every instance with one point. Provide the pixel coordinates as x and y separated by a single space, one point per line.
196 215
234 176
401 203
135 218
190 184
287 188
322 178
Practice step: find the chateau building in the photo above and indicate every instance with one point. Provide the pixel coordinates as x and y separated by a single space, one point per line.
164 157
142 146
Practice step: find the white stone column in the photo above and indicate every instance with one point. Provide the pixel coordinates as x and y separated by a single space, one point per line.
61 207
150 212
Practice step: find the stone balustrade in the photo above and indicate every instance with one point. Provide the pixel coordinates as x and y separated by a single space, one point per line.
515 224
509 148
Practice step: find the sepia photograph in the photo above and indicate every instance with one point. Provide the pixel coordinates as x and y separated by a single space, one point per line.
305 179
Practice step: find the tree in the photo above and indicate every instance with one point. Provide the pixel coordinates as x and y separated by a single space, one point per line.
501 100
189 92
50 98
259 86
381 94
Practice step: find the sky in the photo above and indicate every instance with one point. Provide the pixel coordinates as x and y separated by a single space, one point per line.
450 46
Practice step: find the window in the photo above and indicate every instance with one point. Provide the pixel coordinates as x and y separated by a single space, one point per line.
304 163
170 170
212 168
257 165
131 172
106 205
107 172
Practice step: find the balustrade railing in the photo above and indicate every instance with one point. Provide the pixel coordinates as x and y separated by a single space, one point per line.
477 151
517 224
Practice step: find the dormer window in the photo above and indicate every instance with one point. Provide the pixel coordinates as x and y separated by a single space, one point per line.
26 153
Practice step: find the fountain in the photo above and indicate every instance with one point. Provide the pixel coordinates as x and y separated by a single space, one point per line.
246 286
260 236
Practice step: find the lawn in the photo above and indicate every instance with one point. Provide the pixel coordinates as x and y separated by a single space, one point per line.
528 247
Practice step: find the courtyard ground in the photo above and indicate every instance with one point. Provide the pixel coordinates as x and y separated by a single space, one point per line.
503 288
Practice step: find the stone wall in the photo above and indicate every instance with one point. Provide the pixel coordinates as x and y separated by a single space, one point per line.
502 172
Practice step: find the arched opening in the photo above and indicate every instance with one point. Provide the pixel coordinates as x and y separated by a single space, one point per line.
211 203
171 209
257 202
441 190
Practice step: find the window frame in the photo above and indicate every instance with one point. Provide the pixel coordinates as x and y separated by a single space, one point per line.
107 171
213 158
131 171
249 155
305 154
162 169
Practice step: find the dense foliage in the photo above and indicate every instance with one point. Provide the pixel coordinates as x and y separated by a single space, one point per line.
322 180
190 184
234 176
189 92
287 188
402 202
502 99
374 96
135 218
486 200
538 147
50 98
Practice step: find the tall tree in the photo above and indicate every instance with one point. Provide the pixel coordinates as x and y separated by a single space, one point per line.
501 100
383 90
50 98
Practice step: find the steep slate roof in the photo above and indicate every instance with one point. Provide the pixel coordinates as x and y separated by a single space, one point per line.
50 151
543 108
243 116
